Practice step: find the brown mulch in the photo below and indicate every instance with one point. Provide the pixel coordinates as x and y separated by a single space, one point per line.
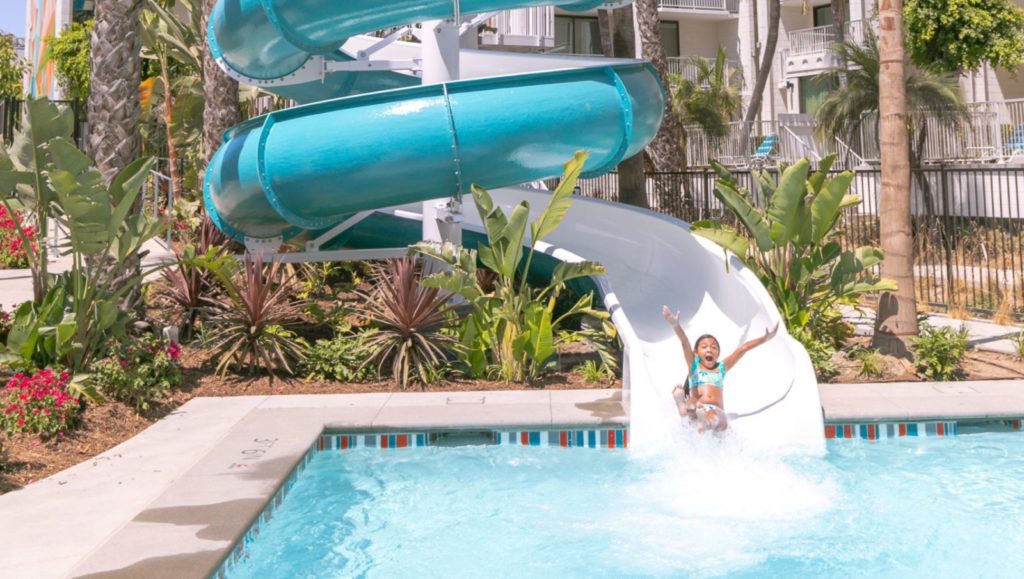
977 365
103 427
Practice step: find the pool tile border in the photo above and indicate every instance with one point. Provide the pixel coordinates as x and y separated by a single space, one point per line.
885 430
612 438
238 550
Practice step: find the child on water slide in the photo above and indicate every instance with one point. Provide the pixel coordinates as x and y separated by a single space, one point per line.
701 399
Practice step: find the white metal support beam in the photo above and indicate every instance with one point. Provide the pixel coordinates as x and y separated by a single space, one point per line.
316 244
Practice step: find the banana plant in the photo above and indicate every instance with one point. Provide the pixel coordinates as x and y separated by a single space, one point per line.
72 322
23 183
792 244
513 331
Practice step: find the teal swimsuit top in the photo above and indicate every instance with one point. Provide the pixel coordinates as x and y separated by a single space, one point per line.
699 376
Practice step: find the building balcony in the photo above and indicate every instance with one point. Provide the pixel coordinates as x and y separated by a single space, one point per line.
521 28
811 49
726 6
686 68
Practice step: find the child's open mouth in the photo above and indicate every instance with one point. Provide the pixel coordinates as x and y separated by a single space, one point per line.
708 357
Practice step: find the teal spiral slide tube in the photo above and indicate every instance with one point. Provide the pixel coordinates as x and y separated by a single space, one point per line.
310 167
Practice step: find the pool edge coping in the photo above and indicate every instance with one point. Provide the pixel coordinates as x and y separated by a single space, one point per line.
162 538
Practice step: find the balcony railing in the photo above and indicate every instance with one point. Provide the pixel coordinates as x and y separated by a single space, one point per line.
536 22
712 5
684 67
821 38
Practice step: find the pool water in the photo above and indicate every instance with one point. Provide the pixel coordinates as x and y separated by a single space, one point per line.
949 506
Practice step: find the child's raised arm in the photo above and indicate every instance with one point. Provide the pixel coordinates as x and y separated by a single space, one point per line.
732 359
673 320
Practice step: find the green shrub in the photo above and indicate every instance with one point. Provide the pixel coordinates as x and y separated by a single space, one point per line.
871 362
1017 339
793 244
341 358
512 332
39 403
139 372
593 372
251 329
938 352
411 319
820 352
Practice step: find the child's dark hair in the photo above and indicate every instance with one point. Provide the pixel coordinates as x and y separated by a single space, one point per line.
705 337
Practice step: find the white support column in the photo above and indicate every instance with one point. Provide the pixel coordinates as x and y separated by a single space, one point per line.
442 218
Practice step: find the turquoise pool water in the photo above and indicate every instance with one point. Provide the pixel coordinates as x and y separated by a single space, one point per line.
949 506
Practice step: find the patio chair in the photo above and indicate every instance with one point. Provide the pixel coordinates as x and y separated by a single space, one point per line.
1014 147
764 151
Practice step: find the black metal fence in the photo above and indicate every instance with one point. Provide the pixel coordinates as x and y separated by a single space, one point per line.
968 226
10 116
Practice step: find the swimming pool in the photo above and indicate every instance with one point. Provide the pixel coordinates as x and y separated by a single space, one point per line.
894 508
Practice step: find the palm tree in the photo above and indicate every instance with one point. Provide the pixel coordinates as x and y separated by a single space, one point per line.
929 96
763 71
114 110
896 322
839 32
666 148
221 110
710 99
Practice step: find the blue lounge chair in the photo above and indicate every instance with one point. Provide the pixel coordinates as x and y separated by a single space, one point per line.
764 150
1014 147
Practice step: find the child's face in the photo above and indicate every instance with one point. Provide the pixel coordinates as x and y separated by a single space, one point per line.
707 351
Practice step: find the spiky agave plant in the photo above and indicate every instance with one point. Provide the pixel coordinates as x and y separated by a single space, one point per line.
251 328
410 318
189 289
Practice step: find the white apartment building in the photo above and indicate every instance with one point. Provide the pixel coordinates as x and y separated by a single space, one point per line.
794 91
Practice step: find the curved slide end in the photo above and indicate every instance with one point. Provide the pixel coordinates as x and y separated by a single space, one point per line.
654 260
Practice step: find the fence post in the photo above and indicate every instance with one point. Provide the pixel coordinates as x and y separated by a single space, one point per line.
947 245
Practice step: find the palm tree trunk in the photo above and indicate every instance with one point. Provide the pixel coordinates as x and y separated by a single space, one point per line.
618 39
221 110
897 311
114 109
839 29
765 70
666 150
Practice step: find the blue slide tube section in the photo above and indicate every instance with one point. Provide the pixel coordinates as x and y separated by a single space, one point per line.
270 39
310 167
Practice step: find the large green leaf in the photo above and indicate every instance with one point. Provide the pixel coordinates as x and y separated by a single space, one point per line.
561 199
784 205
127 185
42 122
723 235
539 337
492 217
511 240
751 218
826 205
817 179
10 177
454 281
566 271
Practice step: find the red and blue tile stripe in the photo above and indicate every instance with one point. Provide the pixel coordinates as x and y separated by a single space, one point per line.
386 441
880 430
612 438
593 438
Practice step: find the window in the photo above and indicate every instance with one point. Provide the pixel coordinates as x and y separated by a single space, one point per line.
813 91
577 35
670 38
823 16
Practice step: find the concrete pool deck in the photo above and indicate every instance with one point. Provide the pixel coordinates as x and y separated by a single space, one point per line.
172 501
